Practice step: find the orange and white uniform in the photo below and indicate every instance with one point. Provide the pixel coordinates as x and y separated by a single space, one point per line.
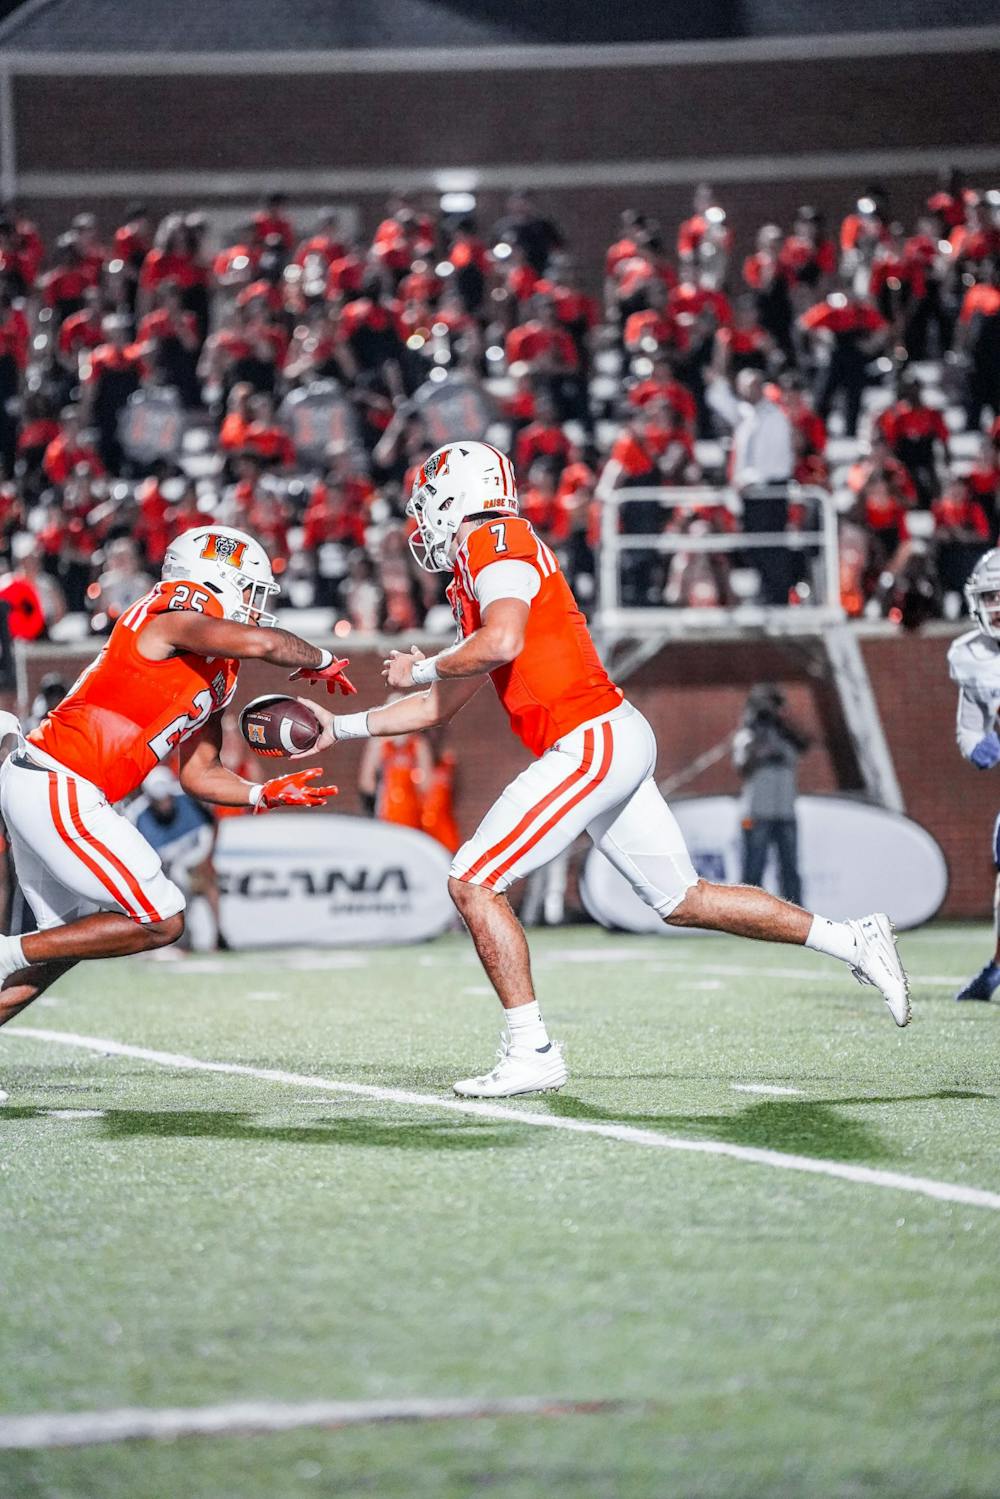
73 853
597 753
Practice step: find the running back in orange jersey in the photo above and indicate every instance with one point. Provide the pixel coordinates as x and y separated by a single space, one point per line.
557 682
125 714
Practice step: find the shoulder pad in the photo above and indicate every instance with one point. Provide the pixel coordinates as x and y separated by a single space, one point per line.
970 654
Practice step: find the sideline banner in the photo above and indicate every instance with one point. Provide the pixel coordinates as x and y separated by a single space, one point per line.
329 881
853 857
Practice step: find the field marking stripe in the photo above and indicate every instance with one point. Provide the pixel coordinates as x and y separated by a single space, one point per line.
866 1175
257 1417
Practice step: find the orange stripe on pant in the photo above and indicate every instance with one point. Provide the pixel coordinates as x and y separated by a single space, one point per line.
70 842
605 766
536 811
131 882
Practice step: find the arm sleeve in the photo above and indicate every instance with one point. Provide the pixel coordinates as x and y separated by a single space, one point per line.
506 580
972 722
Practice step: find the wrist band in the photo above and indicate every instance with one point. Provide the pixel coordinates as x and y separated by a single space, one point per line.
351 726
425 672
255 798
328 659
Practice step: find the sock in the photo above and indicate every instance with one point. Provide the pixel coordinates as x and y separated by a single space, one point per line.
527 1028
835 938
11 956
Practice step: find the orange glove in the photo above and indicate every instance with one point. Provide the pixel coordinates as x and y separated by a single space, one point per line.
332 674
293 791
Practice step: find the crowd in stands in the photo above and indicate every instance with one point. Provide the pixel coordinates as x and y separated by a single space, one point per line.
289 379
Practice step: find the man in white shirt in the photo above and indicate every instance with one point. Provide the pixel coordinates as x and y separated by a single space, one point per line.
760 470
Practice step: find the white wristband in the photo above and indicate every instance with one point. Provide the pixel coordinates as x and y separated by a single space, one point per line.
351 726
328 659
425 672
256 797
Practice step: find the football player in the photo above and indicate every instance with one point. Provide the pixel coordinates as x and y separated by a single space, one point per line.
94 885
519 625
974 664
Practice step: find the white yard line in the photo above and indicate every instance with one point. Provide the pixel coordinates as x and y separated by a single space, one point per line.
765 1088
865 1175
252 1417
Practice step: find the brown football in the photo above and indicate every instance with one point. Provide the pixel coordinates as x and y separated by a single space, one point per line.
278 725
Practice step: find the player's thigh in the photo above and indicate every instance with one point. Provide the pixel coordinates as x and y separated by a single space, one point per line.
551 803
642 839
75 854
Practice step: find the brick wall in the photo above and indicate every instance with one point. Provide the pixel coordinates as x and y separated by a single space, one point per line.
693 695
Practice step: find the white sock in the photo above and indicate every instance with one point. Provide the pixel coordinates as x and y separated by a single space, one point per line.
835 938
527 1028
11 956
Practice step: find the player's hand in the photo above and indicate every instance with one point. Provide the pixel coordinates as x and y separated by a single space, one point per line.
986 753
397 668
294 790
327 739
332 675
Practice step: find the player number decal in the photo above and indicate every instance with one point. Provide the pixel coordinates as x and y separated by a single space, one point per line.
182 726
188 598
500 532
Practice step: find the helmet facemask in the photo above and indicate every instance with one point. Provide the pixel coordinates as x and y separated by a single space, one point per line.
984 606
432 542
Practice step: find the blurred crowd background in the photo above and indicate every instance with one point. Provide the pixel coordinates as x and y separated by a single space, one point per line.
286 377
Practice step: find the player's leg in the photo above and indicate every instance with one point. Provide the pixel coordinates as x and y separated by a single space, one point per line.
536 819
987 980
93 883
642 839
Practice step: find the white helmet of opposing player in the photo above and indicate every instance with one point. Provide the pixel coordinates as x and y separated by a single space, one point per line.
982 593
459 482
231 564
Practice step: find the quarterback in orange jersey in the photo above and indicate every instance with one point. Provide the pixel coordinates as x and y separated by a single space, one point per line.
519 625
93 884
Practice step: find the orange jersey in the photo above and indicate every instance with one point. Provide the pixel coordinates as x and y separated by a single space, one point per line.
557 682
125 713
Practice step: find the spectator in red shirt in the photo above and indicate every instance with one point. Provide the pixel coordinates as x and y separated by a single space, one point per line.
662 384
745 345
81 332
236 422
63 287
959 516
705 237
92 252
949 203
769 279
523 225
471 260
549 354
176 256
265 438
114 375
882 511
14 273
977 239
543 438
654 329
809 256
808 431
853 330
24 590
983 483
862 231
152 526
68 453
168 338
979 338
272 219
37 429
897 282
879 463
632 228
913 431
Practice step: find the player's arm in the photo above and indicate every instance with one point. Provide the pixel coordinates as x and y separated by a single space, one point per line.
203 775
412 714
498 641
186 630
975 732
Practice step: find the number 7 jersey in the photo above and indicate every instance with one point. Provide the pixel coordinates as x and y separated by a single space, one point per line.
557 682
125 714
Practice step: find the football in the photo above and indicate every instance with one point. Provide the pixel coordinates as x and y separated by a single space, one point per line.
276 725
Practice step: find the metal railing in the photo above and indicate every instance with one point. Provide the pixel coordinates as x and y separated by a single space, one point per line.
817 543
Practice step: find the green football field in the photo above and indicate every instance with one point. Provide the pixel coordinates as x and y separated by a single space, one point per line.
760 1221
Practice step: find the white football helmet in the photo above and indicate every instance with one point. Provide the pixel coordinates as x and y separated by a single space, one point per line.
461 481
982 593
231 564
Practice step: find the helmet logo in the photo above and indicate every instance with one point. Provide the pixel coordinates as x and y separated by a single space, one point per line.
437 464
224 549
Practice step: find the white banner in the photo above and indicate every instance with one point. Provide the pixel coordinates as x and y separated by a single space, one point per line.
854 858
329 881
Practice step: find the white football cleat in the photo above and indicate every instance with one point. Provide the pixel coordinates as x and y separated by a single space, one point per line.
518 1070
878 964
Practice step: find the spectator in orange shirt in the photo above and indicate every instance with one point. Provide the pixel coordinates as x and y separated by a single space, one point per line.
543 438
913 431
880 463
853 330
236 423
979 338
68 453
265 438
654 329
538 499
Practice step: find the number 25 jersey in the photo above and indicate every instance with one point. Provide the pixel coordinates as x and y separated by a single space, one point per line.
125 714
557 682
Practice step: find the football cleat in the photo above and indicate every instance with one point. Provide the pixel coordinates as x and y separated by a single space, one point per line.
984 985
519 1069
877 963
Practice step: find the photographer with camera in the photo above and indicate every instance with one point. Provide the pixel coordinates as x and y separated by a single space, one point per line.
766 750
